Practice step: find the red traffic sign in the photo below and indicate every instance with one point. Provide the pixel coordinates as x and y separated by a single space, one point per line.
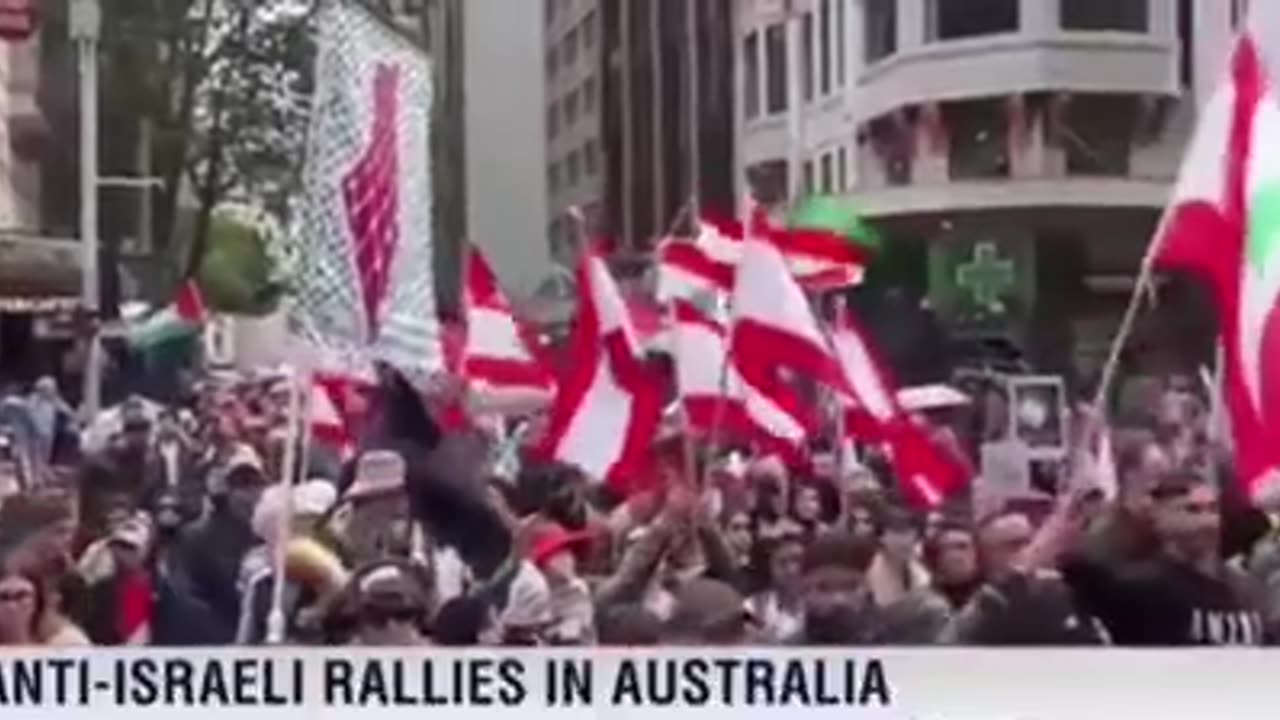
18 19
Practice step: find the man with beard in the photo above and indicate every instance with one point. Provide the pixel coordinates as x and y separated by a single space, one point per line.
837 605
1187 595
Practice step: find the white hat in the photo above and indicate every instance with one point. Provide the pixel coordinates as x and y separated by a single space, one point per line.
311 498
378 472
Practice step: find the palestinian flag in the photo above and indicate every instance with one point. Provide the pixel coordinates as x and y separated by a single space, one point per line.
828 243
1224 226
183 318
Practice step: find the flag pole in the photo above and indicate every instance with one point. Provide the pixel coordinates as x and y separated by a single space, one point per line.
276 622
688 451
1140 288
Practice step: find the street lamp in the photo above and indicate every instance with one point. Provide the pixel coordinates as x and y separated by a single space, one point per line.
86 26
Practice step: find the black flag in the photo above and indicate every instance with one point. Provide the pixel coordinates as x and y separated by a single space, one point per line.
443 477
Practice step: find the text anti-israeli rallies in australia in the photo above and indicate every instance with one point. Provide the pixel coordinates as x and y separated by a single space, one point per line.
512 681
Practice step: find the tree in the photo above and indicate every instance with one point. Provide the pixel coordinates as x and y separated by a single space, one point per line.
238 272
250 115
224 84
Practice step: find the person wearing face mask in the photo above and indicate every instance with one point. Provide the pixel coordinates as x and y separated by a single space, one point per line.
212 550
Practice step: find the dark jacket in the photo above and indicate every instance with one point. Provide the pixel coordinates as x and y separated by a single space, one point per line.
210 554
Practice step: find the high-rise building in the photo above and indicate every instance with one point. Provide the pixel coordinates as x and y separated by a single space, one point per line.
575 163
487 152
1016 154
667 114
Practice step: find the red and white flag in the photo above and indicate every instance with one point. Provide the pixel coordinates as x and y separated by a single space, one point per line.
708 262
928 472
609 403
500 351
773 328
714 395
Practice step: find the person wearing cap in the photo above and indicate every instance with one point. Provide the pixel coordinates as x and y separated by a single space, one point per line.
390 605
311 500
121 604
372 519
212 551
554 551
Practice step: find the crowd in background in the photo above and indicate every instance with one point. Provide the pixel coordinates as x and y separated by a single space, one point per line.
159 525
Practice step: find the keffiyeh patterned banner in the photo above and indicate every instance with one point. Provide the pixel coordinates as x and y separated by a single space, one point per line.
365 288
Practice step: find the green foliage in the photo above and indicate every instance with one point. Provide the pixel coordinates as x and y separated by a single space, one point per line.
225 85
236 273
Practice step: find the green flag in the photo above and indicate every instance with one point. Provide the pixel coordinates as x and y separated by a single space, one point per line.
835 216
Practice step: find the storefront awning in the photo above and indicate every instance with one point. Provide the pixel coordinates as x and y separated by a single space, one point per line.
38 274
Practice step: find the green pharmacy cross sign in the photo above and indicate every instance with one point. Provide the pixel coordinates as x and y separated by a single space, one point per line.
987 277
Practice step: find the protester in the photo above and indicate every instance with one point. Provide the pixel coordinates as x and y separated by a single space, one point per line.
21 608
122 603
182 521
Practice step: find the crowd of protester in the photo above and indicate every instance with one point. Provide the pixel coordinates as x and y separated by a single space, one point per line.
156 525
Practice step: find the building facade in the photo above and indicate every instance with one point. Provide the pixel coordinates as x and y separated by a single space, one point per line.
667 116
575 164
1016 153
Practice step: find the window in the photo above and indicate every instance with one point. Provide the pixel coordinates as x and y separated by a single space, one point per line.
1124 15
751 75
1187 40
553 177
769 181
828 173
588 31
842 170
881 29
553 120
1098 134
570 52
840 41
548 11
806 57
571 108
589 95
979 146
775 63
590 158
573 166
954 19
551 63
1239 11
553 237
806 172
824 47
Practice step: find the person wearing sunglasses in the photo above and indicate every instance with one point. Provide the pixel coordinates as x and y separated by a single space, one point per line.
21 606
